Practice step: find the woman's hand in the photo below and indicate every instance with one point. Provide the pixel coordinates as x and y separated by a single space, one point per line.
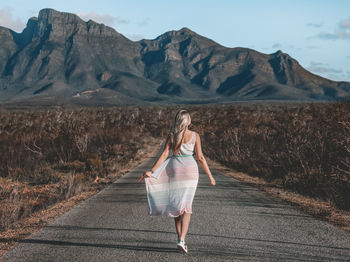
212 182
147 174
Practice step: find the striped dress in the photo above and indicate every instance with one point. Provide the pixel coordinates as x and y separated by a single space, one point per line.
171 188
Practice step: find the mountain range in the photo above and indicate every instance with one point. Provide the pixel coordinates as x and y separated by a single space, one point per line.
60 58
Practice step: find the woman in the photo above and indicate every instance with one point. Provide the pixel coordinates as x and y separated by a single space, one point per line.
172 182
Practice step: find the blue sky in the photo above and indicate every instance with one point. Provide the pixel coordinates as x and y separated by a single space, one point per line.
315 32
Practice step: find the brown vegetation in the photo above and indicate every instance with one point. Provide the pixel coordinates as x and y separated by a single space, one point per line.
50 155
304 148
26 226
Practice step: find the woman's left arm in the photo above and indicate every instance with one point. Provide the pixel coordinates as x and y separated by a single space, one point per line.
161 158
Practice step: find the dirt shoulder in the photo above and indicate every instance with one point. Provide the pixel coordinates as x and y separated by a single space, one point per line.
24 228
315 207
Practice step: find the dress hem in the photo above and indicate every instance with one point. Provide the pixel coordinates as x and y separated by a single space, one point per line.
170 215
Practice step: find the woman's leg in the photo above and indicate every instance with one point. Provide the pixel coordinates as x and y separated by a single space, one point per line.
178 225
186 218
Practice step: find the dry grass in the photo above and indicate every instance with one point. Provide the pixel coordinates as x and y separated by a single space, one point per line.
26 226
303 148
48 156
35 221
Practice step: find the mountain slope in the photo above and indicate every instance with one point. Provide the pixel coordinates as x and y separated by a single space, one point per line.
58 56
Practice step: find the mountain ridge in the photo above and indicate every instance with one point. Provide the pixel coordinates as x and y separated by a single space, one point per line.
59 56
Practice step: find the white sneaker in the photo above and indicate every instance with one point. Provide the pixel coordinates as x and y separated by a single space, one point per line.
181 246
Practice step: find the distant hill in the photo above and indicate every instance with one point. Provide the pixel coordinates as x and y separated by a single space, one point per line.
61 58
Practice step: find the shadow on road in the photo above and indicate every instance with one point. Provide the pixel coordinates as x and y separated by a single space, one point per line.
127 247
266 241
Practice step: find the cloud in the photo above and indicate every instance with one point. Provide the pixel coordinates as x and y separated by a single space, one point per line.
327 36
144 22
338 34
326 71
120 21
345 24
317 25
277 45
342 32
135 37
33 12
335 77
317 63
7 20
313 47
105 18
322 69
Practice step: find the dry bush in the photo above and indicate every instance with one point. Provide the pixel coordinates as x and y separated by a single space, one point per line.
62 151
302 147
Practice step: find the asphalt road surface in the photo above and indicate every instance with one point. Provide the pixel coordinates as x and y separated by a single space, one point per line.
230 221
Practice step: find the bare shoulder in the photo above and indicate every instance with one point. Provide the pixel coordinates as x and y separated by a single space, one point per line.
196 134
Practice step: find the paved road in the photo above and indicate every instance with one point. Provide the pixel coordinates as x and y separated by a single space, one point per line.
230 221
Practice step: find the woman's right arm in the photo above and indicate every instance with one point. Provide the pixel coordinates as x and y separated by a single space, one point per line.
201 159
161 158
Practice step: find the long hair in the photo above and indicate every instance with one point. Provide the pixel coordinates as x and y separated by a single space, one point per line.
176 133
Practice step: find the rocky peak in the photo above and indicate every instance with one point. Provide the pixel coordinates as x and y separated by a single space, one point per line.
182 40
184 31
57 24
94 28
32 23
278 53
5 32
31 29
181 34
64 54
281 55
283 66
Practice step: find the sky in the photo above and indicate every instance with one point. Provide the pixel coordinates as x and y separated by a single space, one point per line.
314 32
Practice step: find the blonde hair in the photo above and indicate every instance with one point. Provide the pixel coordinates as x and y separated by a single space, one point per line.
182 118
